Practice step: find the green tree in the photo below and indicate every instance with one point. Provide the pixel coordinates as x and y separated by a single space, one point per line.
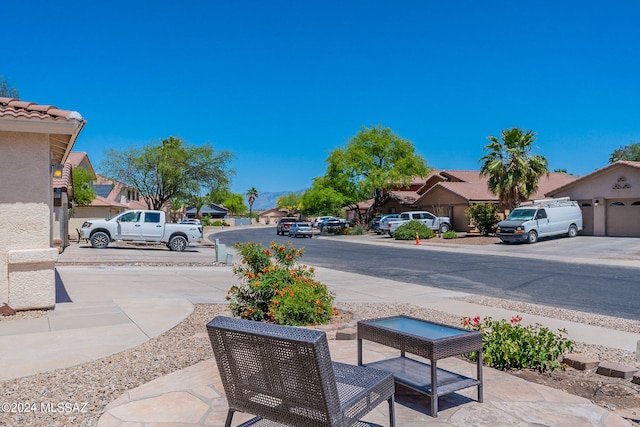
7 90
628 152
169 170
252 195
373 160
290 202
83 192
321 199
512 170
235 203
218 195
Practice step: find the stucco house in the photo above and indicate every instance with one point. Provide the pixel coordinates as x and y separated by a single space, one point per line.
395 200
610 199
271 216
35 141
450 193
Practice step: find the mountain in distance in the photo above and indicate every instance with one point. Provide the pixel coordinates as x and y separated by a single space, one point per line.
268 200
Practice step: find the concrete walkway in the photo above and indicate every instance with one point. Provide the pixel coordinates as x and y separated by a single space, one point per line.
115 307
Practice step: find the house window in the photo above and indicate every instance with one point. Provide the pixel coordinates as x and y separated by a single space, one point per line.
636 203
617 204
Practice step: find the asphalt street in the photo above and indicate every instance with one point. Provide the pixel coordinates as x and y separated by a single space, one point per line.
562 273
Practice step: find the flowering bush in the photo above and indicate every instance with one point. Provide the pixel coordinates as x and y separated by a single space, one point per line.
275 289
510 345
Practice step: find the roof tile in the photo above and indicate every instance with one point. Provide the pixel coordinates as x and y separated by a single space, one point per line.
16 108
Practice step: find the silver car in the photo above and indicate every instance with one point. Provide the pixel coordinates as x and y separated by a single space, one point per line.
300 229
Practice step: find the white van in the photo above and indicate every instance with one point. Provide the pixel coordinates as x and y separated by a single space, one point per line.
541 218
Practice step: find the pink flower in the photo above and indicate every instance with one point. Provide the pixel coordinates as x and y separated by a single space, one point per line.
516 319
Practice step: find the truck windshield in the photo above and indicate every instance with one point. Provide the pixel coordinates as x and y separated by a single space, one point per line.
522 215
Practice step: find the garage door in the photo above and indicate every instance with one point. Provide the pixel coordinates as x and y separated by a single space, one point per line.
623 217
587 218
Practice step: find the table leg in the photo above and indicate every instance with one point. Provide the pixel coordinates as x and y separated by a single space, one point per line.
434 389
359 352
479 375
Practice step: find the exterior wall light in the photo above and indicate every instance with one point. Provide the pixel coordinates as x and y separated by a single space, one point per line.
56 170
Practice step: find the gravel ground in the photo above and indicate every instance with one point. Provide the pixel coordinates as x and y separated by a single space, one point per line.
92 385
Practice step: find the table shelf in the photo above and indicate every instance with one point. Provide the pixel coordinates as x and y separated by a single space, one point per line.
417 375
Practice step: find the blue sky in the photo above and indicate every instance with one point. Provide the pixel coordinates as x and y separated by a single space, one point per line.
282 83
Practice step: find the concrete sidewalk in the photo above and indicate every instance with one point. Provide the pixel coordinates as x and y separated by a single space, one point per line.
117 307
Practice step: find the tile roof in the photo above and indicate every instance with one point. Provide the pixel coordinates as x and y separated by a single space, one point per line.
474 187
100 201
63 126
65 182
403 197
11 107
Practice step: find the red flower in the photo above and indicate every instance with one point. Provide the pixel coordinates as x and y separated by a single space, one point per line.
516 319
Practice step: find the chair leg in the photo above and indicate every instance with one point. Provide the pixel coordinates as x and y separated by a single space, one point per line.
229 417
392 414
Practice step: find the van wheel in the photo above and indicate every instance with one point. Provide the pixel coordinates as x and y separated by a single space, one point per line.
444 228
533 237
573 231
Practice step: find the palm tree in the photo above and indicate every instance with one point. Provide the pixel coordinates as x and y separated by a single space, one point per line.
513 172
252 194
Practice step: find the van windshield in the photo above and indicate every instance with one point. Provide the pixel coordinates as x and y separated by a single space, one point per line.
522 214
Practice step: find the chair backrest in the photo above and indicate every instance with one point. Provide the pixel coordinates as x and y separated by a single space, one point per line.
280 373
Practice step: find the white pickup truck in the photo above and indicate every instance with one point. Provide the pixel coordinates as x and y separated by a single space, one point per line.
140 226
438 223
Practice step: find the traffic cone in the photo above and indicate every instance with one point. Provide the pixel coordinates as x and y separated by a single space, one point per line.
417 239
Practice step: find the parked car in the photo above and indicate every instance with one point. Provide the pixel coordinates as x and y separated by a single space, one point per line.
382 224
438 223
284 224
316 222
333 223
300 229
550 217
140 226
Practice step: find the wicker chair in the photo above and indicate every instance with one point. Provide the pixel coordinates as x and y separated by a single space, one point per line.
285 375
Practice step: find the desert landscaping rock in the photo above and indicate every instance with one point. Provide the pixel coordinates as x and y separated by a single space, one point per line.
615 370
580 362
347 334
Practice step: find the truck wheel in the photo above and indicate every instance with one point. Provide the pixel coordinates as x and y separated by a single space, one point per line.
573 231
100 240
533 237
178 243
444 228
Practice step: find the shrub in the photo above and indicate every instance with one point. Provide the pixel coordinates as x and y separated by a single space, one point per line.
484 216
408 231
357 229
275 289
509 345
450 235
